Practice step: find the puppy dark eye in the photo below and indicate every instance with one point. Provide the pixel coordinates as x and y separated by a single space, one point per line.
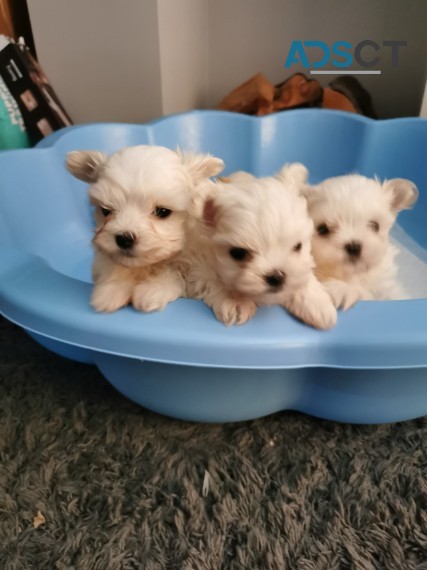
323 230
162 212
106 211
297 247
239 253
375 226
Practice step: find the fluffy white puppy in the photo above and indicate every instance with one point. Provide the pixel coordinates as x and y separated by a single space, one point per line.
252 246
141 195
352 217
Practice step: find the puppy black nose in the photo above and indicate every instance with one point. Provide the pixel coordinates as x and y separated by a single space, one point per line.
275 279
354 248
125 241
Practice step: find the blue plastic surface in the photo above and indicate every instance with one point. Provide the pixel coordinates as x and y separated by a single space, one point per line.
371 368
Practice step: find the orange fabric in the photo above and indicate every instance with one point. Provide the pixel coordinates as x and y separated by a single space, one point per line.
258 96
257 92
6 25
296 91
335 100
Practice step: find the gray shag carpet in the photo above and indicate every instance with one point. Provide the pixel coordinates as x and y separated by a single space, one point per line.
89 480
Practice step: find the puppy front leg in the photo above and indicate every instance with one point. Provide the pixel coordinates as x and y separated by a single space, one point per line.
312 305
345 295
110 295
228 308
113 285
154 293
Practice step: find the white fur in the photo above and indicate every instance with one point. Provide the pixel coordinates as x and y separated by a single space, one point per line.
351 206
132 183
268 217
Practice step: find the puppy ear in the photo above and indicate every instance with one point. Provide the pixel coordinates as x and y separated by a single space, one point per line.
403 194
241 176
295 172
310 193
86 165
201 166
210 213
202 194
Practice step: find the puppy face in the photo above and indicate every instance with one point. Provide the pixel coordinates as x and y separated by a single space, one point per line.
141 196
352 217
261 233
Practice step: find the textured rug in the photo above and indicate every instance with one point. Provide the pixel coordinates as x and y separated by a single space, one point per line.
90 481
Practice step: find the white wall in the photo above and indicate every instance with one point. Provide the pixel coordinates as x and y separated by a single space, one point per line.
134 60
183 33
248 36
101 56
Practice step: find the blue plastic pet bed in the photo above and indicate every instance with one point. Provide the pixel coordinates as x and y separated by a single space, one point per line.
372 367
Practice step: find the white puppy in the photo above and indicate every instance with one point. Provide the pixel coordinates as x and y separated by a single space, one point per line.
252 247
141 195
352 217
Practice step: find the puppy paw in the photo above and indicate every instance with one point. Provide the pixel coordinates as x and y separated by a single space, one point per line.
234 312
314 307
320 313
345 295
110 296
151 296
